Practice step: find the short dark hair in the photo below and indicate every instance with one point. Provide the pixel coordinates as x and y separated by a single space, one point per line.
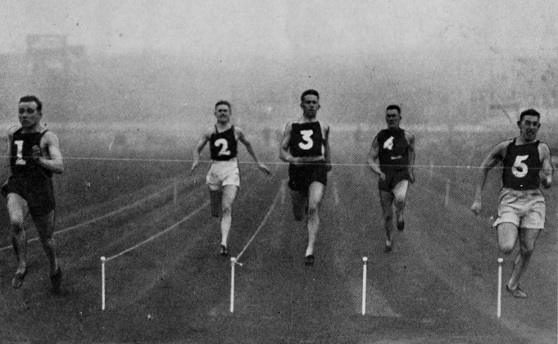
394 107
223 102
26 99
529 112
307 92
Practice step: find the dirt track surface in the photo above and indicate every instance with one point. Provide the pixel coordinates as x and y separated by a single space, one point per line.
437 286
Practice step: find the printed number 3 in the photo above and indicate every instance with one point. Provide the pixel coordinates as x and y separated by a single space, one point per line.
224 147
519 168
19 154
306 136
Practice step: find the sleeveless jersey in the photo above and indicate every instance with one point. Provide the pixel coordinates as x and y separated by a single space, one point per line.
393 148
22 147
521 166
223 146
306 139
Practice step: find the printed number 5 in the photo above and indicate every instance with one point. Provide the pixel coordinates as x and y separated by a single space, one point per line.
224 147
306 136
519 168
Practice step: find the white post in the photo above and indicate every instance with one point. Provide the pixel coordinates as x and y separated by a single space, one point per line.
103 261
233 263
499 304
364 260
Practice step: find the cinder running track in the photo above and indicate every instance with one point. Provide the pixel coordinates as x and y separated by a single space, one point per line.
438 285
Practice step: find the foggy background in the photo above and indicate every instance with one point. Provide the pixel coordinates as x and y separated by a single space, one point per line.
449 64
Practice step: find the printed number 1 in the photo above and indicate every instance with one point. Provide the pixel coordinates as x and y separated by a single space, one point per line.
519 168
19 153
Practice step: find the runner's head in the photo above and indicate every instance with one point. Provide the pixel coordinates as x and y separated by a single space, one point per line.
223 111
529 124
310 103
29 110
393 116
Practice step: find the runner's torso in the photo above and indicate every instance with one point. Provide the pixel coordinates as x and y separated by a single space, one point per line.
223 145
21 149
393 148
306 139
521 166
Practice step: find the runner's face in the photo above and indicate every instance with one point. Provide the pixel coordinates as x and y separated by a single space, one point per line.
529 127
393 118
223 113
310 105
28 114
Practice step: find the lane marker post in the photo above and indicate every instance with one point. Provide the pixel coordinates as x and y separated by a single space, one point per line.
103 262
233 263
499 302
364 271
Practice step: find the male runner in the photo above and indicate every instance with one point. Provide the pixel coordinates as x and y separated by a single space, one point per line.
223 178
392 157
521 210
34 156
305 146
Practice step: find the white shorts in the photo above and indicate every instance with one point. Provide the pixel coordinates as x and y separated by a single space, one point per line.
223 173
523 208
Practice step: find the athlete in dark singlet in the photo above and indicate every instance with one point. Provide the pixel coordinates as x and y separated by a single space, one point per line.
392 157
223 178
521 210
34 156
305 146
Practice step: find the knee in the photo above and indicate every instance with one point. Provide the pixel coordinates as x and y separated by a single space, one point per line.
527 250
17 225
227 208
399 200
506 248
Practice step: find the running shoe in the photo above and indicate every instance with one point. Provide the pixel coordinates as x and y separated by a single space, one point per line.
401 225
309 259
224 251
56 281
517 292
17 281
388 247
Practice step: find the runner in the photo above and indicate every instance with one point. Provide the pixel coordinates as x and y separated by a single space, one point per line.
223 178
521 210
392 157
305 146
34 156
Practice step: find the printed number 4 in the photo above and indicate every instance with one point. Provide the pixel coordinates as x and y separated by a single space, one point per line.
19 154
224 147
306 136
519 168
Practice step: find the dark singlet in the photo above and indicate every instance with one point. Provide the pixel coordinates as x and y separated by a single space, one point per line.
223 145
22 148
393 149
306 139
521 166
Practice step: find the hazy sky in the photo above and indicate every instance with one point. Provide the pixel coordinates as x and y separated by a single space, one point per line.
286 29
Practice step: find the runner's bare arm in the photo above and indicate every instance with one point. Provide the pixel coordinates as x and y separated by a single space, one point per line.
284 153
411 141
493 158
373 157
49 156
547 170
327 148
199 147
242 138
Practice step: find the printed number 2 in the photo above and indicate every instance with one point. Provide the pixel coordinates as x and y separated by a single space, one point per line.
224 147
306 136
519 168
19 153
